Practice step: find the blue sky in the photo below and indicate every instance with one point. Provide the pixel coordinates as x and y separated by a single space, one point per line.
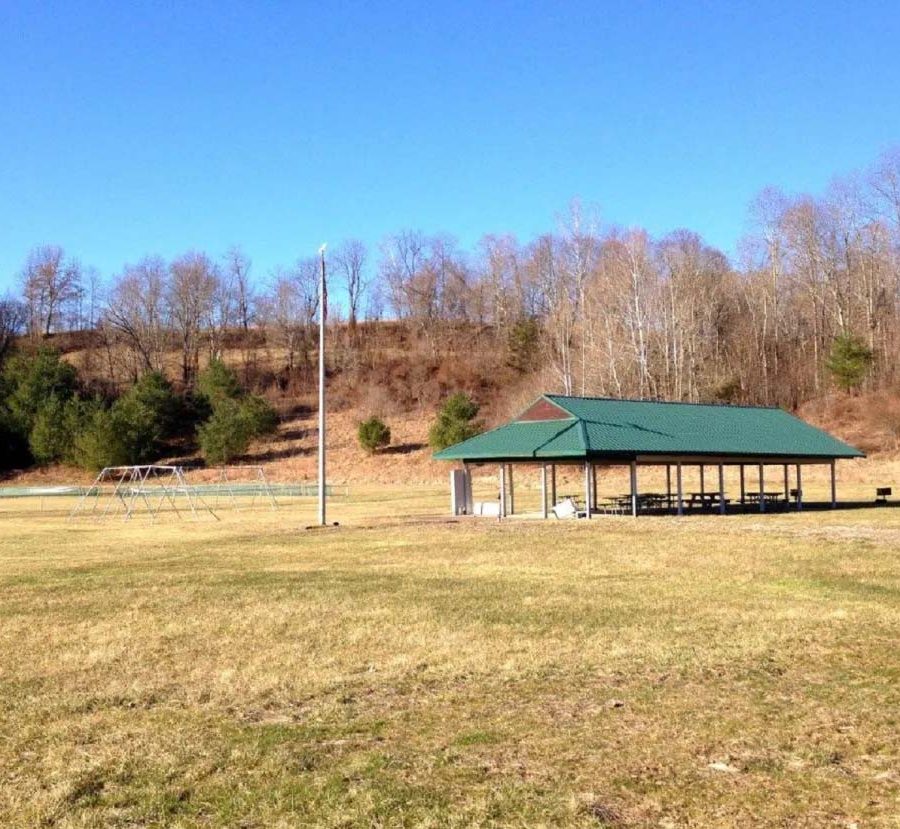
132 128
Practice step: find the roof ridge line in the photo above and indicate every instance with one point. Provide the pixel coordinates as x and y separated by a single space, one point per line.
585 442
556 397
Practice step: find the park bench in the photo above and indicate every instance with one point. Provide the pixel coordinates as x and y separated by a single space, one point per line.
882 493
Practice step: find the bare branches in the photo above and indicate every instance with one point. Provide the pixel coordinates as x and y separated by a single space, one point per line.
50 283
13 319
596 309
349 261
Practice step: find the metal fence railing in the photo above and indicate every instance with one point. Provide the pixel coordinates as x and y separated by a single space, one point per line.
295 490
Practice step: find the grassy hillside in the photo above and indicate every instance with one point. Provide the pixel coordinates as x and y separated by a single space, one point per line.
402 376
409 672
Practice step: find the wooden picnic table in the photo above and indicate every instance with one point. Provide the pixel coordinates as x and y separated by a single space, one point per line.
646 499
706 500
770 497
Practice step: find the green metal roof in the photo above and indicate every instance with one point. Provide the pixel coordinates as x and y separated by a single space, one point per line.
598 427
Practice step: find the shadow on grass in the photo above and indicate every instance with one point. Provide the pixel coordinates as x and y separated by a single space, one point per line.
403 448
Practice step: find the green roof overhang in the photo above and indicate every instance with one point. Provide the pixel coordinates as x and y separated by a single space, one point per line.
603 428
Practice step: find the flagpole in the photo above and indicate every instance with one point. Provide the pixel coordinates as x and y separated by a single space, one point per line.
323 299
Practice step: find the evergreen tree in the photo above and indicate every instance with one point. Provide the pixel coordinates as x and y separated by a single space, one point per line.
13 444
373 433
31 381
154 392
144 417
99 443
217 382
523 342
261 417
226 434
49 437
849 361
232 425
455 422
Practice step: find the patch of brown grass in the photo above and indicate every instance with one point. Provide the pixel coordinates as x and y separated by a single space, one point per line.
420 673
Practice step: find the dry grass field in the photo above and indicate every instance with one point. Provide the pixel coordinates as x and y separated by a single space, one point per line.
404 671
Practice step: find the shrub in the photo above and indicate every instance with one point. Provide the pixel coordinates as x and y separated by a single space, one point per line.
728 391
455 422
373 434
849 361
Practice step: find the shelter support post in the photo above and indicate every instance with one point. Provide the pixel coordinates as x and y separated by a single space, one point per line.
553 485
544 510
762 490
502 490
587 489
787 486
721 489
634 489
511 497
679 487
799 488
833 486
594 485
702 480
743 487
668 486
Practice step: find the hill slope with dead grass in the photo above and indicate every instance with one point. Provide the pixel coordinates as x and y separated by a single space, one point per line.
402 375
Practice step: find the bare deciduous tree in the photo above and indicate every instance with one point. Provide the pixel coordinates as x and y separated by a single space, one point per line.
13 318
49 283
237 275
289 309
191 296
138 312
350 263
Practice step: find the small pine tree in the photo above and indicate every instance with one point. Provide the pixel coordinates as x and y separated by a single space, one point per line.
50 436
145 416
217 382
30 381
235 417
155 393
849 361
259 414
99 443
373 434
522 343
455 422
226 434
